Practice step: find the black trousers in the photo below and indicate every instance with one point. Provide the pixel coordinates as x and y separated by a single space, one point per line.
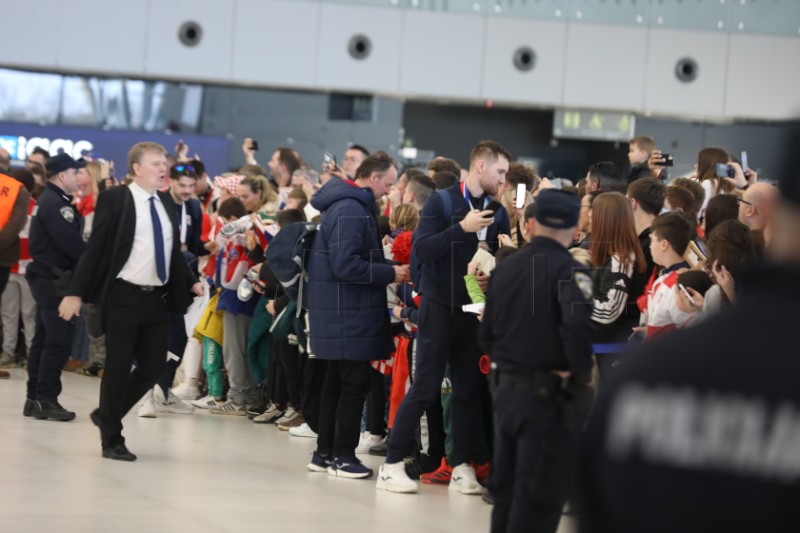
5 272
532 465
52 342
346 387
176 345
314 371
376 404
288 368
444 335
136 329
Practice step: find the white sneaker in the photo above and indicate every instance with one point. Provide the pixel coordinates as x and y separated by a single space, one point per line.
463 480
269 416
147 409
206 402
393 478
173 405
289 415
367 441
303 430
229 408
186 391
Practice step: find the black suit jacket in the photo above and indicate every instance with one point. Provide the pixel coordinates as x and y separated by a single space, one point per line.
110 246
193 232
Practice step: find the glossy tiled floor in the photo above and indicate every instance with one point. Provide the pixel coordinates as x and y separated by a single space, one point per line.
195 473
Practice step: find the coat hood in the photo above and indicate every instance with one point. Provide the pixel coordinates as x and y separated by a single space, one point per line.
339 189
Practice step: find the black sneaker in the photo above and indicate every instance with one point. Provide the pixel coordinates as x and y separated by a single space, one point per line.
28 409
44 409
380 449
257 409
422 464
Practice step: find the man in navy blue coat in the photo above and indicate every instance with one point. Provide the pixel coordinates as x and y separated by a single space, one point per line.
347 307
452 225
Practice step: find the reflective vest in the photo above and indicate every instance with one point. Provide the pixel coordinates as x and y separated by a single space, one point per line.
9 192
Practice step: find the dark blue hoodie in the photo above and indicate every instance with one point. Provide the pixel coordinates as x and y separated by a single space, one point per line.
347 277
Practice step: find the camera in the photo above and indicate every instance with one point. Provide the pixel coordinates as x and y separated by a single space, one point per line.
237 226
669 160
725 171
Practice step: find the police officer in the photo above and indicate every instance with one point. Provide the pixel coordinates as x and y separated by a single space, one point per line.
699 432
537 329
55 247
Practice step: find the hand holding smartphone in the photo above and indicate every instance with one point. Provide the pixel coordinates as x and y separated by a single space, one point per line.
522 191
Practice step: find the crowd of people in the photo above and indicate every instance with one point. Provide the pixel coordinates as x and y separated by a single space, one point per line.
454 320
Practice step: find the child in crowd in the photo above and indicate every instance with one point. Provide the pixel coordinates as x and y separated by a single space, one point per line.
670 235
210 327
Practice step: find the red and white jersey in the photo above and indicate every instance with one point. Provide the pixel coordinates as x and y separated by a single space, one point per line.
663 314
24 255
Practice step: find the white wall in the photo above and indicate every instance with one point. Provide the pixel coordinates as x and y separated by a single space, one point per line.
459 56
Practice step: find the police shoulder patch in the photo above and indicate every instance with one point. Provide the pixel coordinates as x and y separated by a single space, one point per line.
68 214
585 285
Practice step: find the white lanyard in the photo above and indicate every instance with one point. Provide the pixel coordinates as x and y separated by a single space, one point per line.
183 223
464 191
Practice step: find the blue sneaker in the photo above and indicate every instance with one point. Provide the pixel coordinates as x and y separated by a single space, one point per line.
349 467
320 462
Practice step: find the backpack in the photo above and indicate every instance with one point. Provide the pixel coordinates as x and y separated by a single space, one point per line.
287 254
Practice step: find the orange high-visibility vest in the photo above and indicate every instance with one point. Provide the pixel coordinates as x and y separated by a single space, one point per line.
9 192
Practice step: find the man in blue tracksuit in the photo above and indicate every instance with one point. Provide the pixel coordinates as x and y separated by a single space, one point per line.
452 224
347 307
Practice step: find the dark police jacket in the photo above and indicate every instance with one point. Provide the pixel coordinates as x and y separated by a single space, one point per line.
538 313
698 430
55 233
442 249
96 272
347 277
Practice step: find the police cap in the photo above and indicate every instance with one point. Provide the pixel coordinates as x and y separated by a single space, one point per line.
557 209
60 163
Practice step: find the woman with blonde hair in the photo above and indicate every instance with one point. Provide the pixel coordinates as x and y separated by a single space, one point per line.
258 195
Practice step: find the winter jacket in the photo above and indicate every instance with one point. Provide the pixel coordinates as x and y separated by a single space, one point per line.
347 277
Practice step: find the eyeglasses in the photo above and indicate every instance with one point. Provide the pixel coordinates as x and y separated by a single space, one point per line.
182 169
741 200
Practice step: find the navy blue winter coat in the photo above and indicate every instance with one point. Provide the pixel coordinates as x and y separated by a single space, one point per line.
347 277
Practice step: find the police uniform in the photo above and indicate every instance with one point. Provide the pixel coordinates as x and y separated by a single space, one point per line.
698 431
537 320
55 246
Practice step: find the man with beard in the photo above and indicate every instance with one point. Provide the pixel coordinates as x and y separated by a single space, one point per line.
452 223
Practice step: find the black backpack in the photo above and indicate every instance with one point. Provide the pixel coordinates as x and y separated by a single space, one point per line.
287 255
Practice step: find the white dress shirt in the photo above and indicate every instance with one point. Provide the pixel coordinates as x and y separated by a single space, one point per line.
140 268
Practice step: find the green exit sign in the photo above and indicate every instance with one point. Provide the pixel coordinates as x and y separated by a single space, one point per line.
594 125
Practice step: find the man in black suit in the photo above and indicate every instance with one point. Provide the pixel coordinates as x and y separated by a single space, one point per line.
134 269
189 213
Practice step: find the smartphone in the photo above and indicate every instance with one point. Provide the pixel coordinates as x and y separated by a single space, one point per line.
493 206
521 192
725 171
669 160
253 278
254 145
745 167
329 160
688 296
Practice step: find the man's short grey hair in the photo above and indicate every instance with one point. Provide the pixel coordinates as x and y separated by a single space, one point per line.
310 175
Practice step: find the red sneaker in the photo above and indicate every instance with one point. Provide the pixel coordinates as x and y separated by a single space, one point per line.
482 472
440 476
